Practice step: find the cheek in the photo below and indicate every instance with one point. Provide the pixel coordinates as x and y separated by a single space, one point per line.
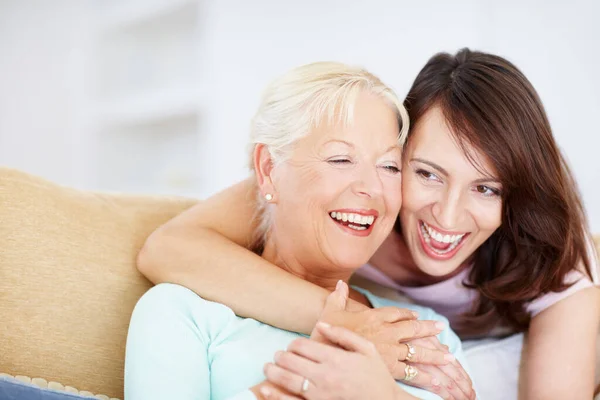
414 195
310 187
392 192
489 216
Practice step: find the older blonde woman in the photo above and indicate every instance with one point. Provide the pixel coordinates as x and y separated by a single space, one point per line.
326 157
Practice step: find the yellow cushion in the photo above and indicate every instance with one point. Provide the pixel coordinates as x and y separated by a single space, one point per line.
68 281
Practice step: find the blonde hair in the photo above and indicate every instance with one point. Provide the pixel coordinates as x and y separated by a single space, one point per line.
297 102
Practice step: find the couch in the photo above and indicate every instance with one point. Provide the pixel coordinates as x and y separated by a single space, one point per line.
68 281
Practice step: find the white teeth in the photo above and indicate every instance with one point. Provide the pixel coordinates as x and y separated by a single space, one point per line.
353 218
429 232
357 227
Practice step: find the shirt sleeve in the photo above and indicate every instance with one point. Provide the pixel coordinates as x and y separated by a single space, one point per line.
245 395
168 345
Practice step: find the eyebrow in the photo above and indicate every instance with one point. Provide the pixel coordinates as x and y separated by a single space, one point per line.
339 141
443 171
392 147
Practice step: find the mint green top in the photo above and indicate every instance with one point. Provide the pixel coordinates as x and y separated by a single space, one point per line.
181 346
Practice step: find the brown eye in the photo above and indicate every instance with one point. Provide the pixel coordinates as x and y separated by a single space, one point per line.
426 175
487 191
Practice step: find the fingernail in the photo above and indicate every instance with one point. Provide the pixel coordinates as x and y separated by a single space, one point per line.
338 286
416 314
277 355
324 325
265 391
435 382
440 326
449 357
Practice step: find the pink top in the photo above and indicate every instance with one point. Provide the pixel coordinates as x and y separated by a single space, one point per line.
451 298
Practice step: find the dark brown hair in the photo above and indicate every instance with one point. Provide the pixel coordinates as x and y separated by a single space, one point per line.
490 105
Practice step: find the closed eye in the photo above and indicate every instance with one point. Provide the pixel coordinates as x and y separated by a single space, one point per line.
392 168
339 161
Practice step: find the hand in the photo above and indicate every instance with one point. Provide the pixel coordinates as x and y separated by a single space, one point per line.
389 328
353 371
266 390
449 381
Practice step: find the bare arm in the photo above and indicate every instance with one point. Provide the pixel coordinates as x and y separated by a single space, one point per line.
561 349
205 250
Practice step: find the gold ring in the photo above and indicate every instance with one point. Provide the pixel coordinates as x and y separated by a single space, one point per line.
411 352
305 383
410 373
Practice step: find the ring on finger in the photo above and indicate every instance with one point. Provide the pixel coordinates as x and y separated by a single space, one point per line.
305 384
410 373
411 351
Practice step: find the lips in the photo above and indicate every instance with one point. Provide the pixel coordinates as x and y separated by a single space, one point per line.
355 222
438 244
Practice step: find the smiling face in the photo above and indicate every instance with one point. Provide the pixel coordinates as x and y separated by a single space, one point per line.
449 207
338 194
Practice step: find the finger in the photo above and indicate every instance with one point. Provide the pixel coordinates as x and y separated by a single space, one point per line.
414 329
427 343
433 342
423 379
395 314
423 355
272 392
312 350
458 385
336 301
346 339
463 372
286 380
297 364
437 384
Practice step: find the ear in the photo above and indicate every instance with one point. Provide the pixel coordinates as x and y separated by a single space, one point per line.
263 165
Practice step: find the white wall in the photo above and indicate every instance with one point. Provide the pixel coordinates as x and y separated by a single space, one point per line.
556 44
40 84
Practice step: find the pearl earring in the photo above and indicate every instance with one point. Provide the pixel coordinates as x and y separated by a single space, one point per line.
268 197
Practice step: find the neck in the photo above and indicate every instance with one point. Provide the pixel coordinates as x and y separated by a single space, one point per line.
321 274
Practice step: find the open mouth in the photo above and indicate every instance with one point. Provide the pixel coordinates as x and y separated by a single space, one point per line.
440 245
354 221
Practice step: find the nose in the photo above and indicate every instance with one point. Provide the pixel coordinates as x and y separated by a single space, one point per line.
368 182
448 209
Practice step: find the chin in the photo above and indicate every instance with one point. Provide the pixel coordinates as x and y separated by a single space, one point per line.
438 268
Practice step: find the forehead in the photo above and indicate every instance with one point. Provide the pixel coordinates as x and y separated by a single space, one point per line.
433 139
372 122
